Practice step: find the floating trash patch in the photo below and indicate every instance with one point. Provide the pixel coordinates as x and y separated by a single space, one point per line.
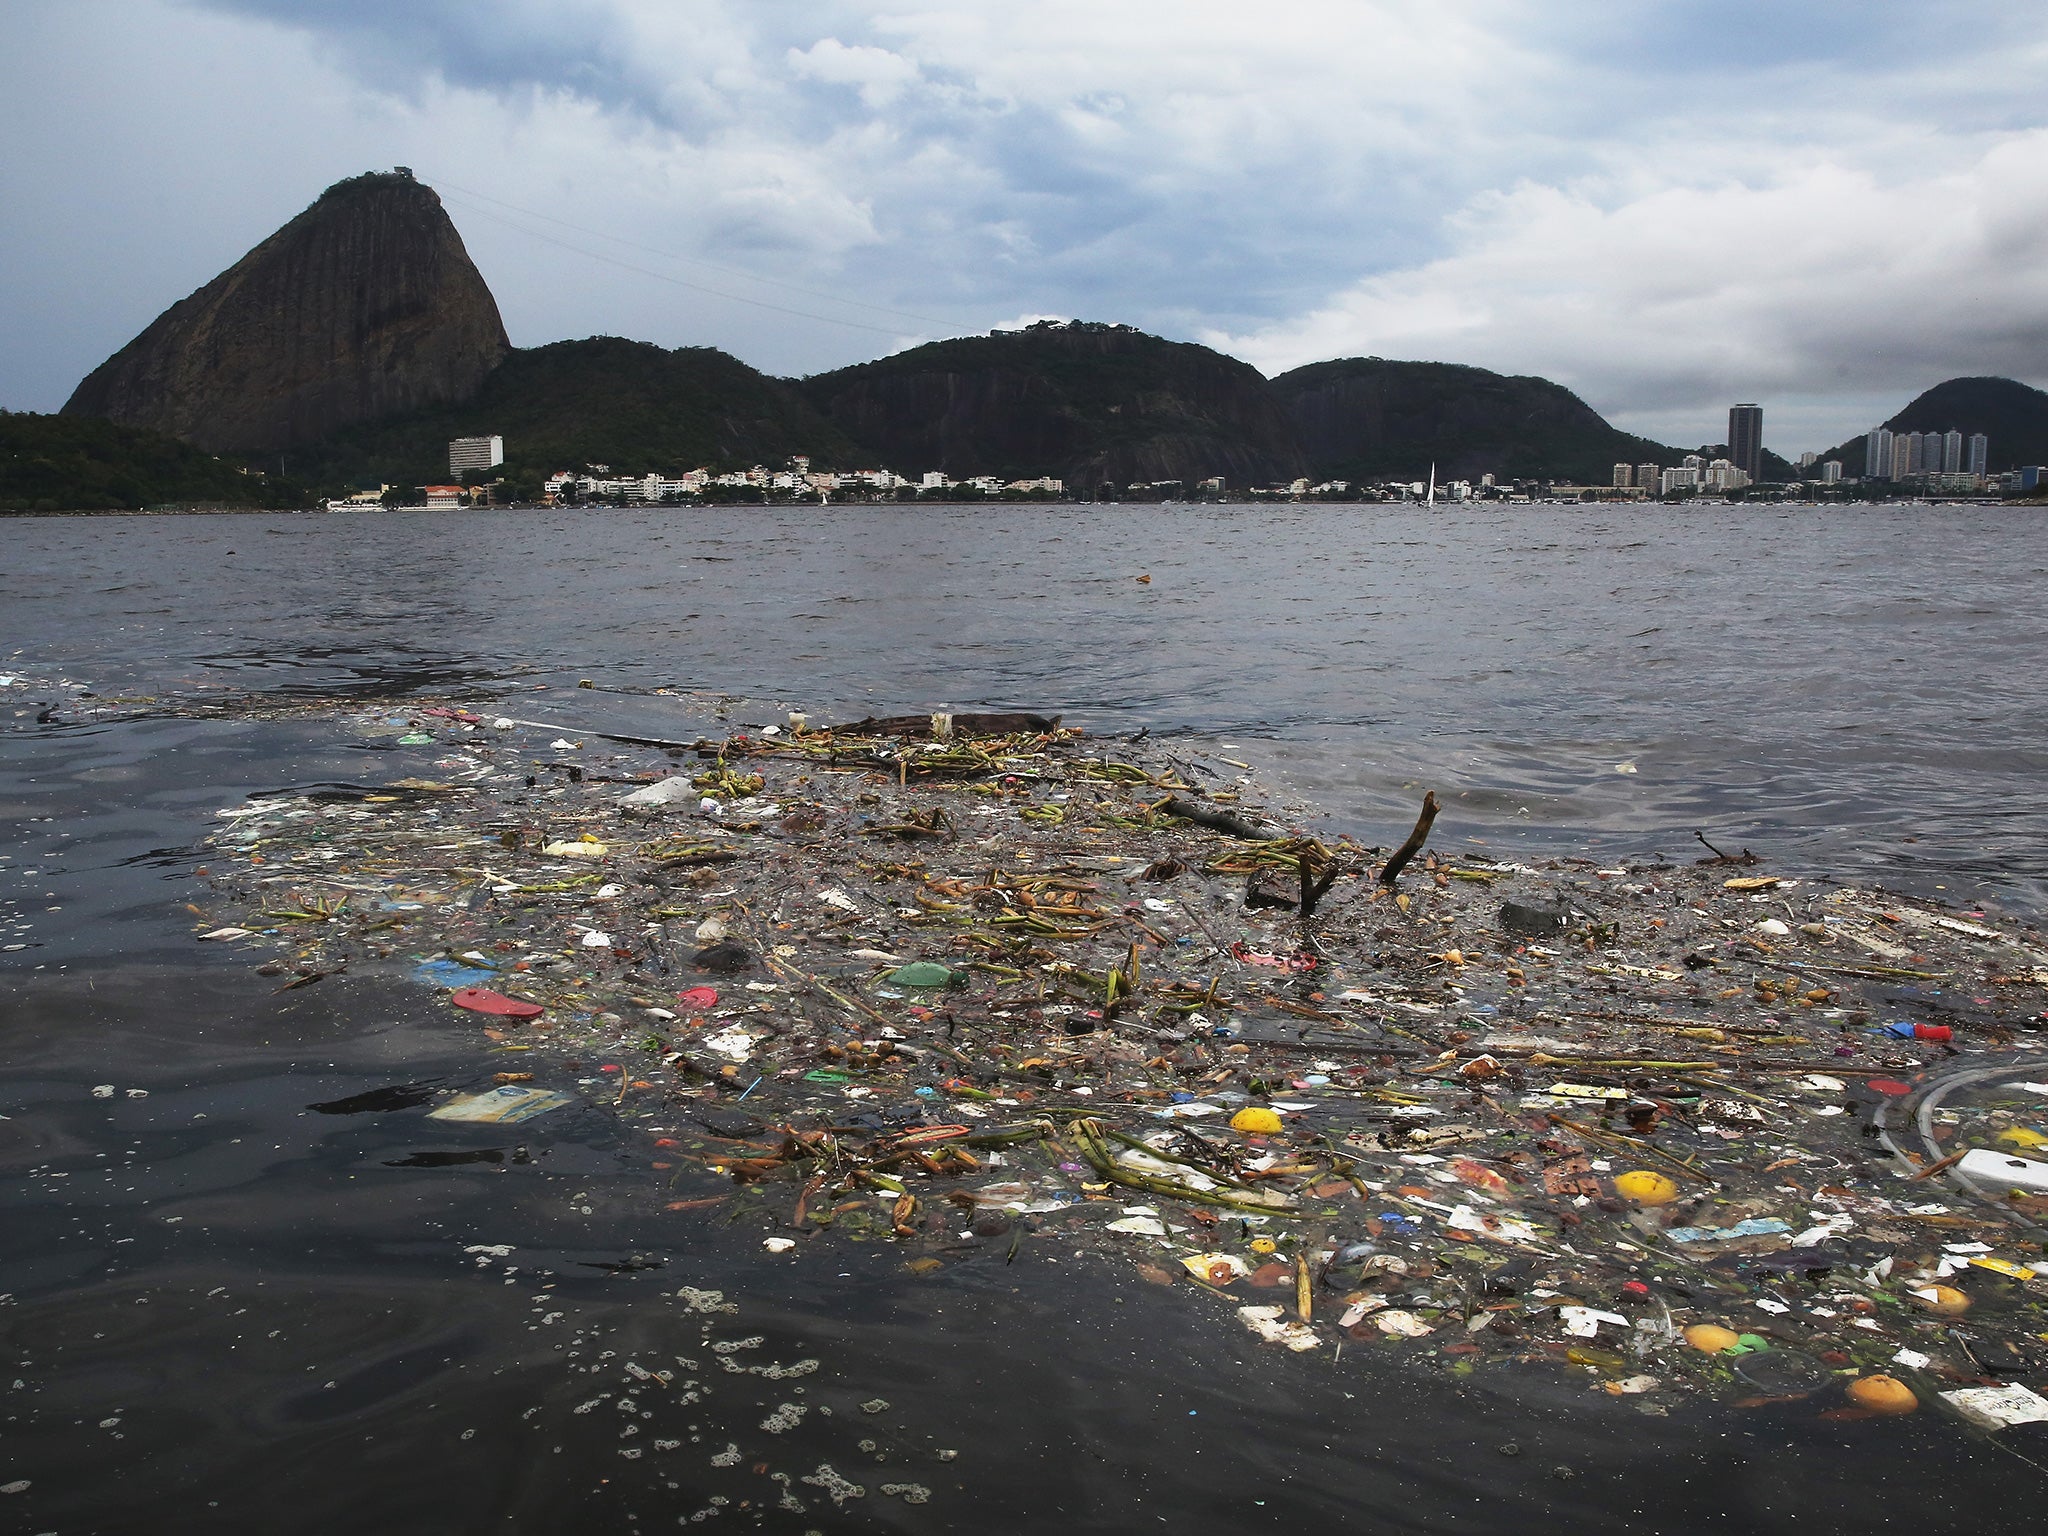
959 984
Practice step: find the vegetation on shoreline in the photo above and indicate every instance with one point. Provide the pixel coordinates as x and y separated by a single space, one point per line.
82 464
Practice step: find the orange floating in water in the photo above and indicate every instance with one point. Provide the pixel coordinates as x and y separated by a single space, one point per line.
1882 1394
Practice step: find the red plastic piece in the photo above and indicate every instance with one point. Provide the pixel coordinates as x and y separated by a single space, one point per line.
484 1000
699 997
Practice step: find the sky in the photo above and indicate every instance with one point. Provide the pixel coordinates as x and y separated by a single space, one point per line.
1824 206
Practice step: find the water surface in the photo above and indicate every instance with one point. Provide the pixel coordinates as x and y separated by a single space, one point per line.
227 1311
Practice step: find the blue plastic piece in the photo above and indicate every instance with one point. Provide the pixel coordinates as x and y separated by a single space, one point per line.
446 973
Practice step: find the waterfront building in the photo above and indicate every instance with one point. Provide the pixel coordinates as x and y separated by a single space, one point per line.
1952 453
1685 478
1831 472
1746 438
475 453
1725 475
1877 455
1624 477
1980 454
1902 456
1646 477
442 498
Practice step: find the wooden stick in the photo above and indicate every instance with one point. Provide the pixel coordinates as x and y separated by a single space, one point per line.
1413 846
1933 1168
1313 887
1219 821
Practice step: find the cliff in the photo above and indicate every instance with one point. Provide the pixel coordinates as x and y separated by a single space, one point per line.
364 306
1088 403
1364 418
2013 415
629 404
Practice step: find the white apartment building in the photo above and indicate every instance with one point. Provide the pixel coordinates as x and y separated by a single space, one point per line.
471 455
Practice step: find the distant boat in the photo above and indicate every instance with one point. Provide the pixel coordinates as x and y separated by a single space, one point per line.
1432 484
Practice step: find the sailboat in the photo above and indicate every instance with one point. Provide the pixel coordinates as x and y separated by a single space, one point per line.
1432 485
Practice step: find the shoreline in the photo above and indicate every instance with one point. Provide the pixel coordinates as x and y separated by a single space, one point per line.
2017 504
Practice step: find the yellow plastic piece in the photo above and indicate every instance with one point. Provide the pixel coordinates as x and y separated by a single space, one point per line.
2005 1267
1645 1188
2020 1136
1882 1394
1263 1245
1711 1338
1254 1121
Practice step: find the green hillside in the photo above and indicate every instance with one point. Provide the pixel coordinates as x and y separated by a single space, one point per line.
1083 401
605 400
1367 418
69 463
2013 415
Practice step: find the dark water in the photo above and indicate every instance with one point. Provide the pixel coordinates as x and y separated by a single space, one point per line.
226 1311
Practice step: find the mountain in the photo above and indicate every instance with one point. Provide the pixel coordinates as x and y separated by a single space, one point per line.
606 400
62 463
1365 418
1086 402
2013 415
363 306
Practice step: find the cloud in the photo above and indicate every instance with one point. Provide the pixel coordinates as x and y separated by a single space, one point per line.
880 74
1667 202
1827 280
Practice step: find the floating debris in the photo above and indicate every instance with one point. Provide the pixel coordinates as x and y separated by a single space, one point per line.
959 984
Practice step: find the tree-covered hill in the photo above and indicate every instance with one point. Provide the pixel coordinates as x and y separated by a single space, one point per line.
75 463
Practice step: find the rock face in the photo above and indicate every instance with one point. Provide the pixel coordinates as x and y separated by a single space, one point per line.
365 305
1088 403
1362 418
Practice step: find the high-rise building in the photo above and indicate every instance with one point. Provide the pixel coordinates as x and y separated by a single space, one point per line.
1647 477
1902 455
1624 476
475 453
1877 455
1916 453
1808 459
1980 454
1952 453
1746 439
1831 472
